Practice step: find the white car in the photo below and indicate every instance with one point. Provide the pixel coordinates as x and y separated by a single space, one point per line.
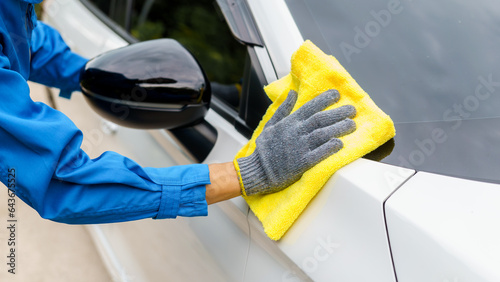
423 207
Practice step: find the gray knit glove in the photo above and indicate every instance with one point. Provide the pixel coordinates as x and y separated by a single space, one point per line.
291 144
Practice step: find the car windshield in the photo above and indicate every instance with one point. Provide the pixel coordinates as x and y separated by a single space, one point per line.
431 65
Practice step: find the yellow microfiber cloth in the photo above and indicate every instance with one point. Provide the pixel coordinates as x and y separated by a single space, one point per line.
312 73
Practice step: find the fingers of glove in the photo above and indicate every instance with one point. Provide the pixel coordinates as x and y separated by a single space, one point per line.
284 109
341 128
323 135
326 118
318 104
324 151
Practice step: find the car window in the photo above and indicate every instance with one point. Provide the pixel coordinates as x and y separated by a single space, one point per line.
195 24
407 54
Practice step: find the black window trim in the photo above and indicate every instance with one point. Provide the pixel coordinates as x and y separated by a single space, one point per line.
240 21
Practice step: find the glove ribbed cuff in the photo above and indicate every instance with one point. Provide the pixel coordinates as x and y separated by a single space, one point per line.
252 173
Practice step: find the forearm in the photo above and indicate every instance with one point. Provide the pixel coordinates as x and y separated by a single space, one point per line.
224 183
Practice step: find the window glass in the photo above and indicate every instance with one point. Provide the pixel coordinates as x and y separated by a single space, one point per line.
430 65
197 26
420 60
116 10
103 5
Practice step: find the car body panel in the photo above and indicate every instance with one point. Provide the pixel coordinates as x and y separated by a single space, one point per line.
445 229
343 228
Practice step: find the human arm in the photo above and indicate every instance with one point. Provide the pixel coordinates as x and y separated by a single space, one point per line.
269 151
53 175
56 178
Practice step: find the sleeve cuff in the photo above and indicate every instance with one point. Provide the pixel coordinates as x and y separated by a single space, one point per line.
188 199
182 201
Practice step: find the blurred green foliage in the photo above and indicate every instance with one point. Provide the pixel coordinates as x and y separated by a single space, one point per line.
195 24
148 30
38 10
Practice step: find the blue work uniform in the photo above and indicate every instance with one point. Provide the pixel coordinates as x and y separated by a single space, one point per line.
40 155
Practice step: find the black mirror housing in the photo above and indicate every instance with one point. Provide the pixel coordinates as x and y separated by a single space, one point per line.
146 85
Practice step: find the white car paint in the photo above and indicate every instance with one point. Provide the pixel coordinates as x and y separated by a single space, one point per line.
445 229
342 233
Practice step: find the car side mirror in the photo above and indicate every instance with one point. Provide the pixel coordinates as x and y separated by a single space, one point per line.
151 84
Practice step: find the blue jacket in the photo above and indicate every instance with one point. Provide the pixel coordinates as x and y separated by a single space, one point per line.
40 155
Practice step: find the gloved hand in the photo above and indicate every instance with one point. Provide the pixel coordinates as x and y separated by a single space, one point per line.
291 144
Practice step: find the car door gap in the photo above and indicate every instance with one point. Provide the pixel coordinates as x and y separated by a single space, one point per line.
387 227
249 245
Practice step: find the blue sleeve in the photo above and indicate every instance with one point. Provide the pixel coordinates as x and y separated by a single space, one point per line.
52 62
55 177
